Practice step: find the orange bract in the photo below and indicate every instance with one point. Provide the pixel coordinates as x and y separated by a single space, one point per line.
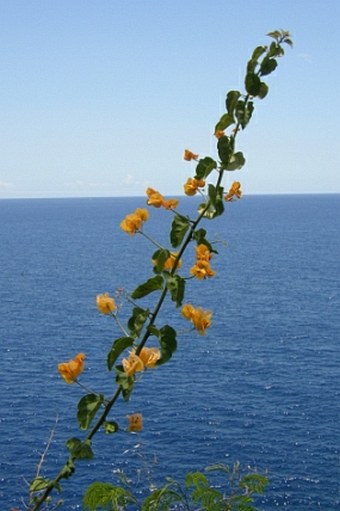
105 303
234 191
70 370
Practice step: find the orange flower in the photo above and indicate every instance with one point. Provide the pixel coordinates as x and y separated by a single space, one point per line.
157 200
201 319
189 155
219 133
234 191
202 268
70 370
150 356
135 422
192 185
105 303
154 198
134 221
170 203
203 252
132 364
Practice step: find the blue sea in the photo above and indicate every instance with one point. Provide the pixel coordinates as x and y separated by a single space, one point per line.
261 387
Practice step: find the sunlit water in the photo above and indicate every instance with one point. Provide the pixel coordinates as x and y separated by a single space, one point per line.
262 387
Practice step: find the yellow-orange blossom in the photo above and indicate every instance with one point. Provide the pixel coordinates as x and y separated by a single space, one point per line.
201 319
70 370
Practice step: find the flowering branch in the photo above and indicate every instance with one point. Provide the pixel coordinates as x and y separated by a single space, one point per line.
142 325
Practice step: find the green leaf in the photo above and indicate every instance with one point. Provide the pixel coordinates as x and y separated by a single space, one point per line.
236 162
137 321
244 111
204 167
179 228
106 496
111 427
87 409
68 469
118 347
125 381
159 258
225 147
176 286
39 484
151 285
199 237
263 90
163 498
168 343
231 101
216 197
252 84
225 121
254 483
275 34
80 450
268 65
275 50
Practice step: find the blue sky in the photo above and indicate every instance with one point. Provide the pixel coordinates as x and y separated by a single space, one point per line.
100 98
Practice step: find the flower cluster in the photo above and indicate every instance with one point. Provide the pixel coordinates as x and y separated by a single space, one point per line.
201 319
202 268
147 359
105 303
70 370
134 221
192 185
234 191
157 200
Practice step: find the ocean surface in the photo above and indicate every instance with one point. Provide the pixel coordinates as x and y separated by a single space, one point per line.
262 386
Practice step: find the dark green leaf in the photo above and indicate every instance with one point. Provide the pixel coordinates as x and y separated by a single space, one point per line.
231 101
204 167
179 228
87 409
216 198
225 147
176 286
252 84
244 111
110 427
159 258
126 382
151 285
259 50
225 121
263 90
117 348
80 450
268 65
168 343
137 321
236 162
275 50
